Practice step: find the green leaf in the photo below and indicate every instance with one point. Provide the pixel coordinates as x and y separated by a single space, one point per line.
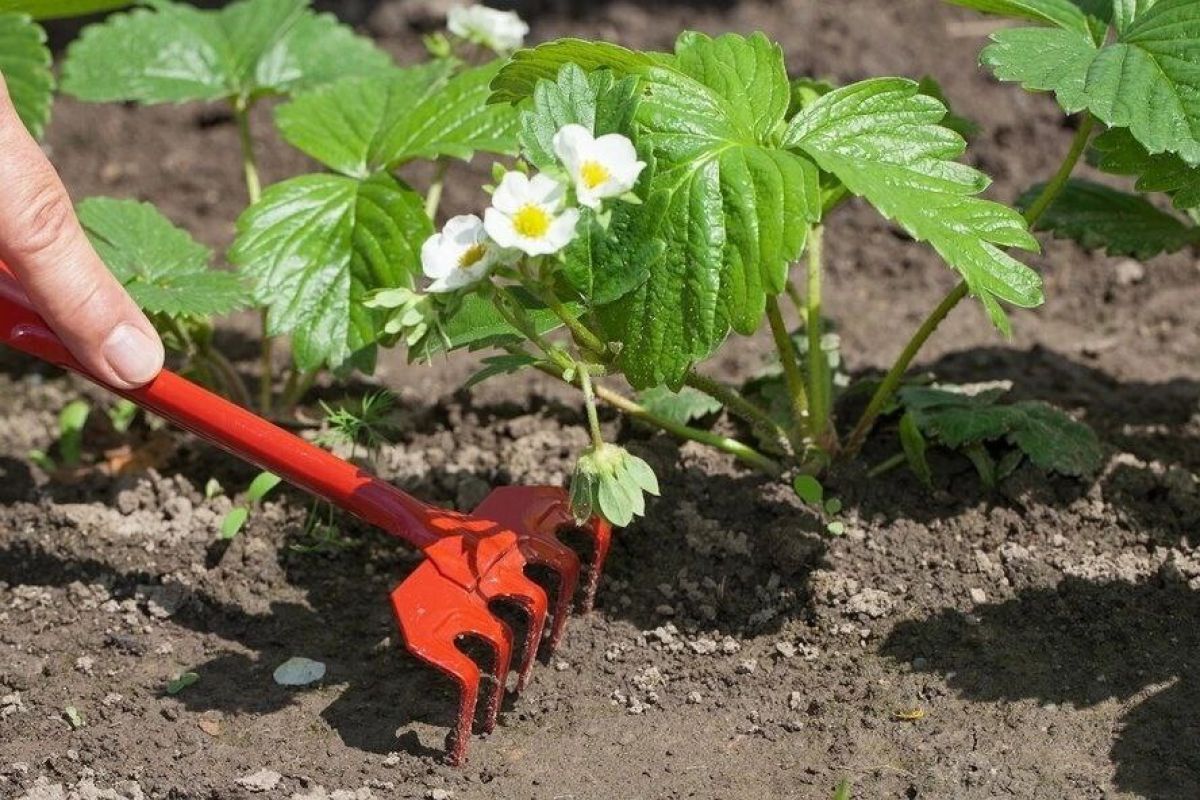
597 101
1048 436
604 263
1044 59
233 523
1118 153
736 207
500 365
174 53
1065 14
317 246
1148 80
182 682
475 324
1099 217
74 718
162 267
71 422
809 489
882 138
360 126
25 65
964 127
527 68
914 445
683 406
261 486
60 9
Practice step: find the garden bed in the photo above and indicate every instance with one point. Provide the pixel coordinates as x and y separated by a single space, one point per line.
1036 641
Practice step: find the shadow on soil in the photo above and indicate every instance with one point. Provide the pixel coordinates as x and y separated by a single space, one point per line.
1153 422
1081 644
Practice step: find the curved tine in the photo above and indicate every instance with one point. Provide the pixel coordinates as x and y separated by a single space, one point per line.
482 623
427 607
561 560
536 514
507 582
601 532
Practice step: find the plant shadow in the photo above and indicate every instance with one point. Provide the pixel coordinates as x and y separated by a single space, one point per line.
1083 643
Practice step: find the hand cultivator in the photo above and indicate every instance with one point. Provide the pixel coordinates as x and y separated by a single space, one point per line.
472 561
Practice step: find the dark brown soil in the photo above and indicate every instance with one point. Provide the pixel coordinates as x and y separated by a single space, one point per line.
1045 634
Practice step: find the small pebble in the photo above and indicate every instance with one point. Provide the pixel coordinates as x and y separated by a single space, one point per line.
978 595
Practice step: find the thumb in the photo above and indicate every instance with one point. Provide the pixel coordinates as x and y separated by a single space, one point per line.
42 241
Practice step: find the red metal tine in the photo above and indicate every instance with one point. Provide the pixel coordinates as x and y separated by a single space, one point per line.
472 561
539 514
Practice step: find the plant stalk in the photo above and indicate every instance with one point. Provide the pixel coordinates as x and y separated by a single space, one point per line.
433 200
1033 214
737 404
819 382
633 409
794 378
589 400
241 112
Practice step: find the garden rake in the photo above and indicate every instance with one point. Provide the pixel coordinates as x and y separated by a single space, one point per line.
473 561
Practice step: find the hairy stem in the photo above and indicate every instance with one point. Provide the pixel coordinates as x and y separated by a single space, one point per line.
298 384
229 375
589 400
581 333
433 200
891 381
818 366
636 411
792 375
737 404
241 112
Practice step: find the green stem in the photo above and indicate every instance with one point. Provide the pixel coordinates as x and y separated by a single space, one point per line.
887 466
433 200
230 377
1033 214
298 384
581 333
589 399
736 403
632 409
241 112
793 293
818 367
1054 188
794 378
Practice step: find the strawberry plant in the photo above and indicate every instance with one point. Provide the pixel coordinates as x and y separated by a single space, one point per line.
650 206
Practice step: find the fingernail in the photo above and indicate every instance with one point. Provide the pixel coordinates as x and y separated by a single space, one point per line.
132 355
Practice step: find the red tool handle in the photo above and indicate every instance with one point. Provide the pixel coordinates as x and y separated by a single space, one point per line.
234 429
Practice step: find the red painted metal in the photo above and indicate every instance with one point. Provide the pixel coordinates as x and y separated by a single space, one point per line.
472 561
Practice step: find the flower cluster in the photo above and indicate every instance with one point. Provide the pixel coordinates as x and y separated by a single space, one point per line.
532 216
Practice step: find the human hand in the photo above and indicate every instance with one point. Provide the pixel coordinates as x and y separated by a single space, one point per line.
43 243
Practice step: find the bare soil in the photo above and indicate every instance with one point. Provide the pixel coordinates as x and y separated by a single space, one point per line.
1039 641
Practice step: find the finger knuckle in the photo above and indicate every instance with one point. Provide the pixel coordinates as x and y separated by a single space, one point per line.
48 219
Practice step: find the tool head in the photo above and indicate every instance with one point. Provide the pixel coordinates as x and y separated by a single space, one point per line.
480 561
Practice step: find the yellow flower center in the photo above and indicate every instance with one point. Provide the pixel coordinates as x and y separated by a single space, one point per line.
472 256
532 222
594 174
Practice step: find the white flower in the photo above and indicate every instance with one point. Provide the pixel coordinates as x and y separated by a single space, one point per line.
528 215
459 256
600 168
502 31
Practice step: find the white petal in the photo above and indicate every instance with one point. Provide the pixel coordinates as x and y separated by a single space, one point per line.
562 231
464 229
500 227
434 258
547 192
592 198
512 193
570 145
614 150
